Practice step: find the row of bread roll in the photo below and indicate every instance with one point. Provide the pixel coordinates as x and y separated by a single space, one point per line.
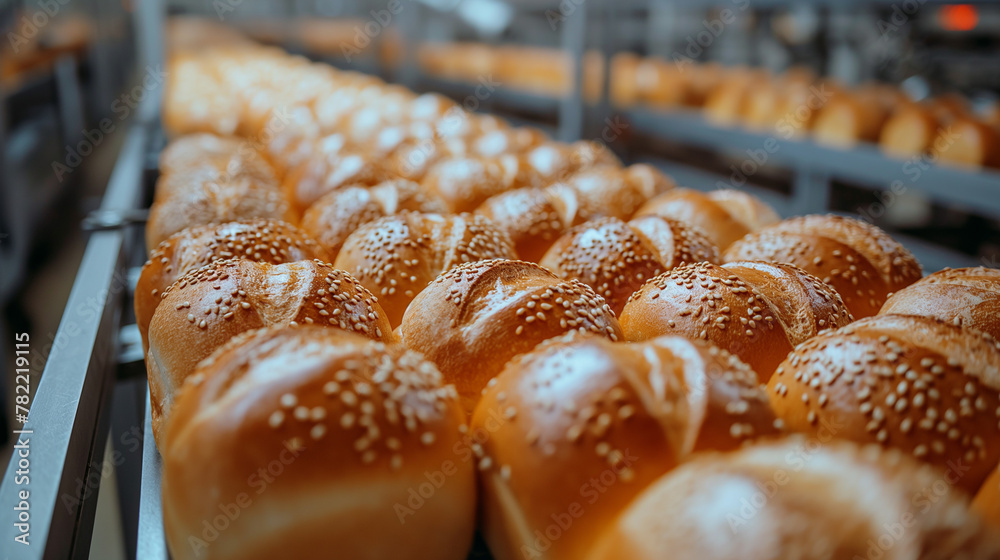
944 128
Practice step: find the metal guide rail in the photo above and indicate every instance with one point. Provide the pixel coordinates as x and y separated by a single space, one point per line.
63 440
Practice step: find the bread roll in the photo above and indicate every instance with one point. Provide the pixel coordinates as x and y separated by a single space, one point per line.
968 142
208 306
267 241
850 118
330 168
859 260
725 104
465 182
723 215
967 297
799 500
582 419
910 132
339 213
534 218
506 141
623 88
211 196
912 383
660 83
616 258
604 191
207 151
987 501
397 256
342 433
758 311
477 316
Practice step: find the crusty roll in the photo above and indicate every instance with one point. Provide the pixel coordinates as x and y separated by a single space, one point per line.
208 179
465 182
208 306
339 213
534 218
345 434
910 132
799 500
203 150
963 296
267 241
330 168
987 501
582 419
397 256
616 258
859 260
968 142
758 311
914 383
723 215
849 118
477 316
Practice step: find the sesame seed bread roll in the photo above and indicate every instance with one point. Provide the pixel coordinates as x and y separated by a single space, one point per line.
465 182
859 260
849 118
912 383
756 310
355 427
269 241
475 317
582 419
987 501
338 214
616 258
534 218
208 306
506 141
397 256
967 297
221 185
799 499
329 169
723 215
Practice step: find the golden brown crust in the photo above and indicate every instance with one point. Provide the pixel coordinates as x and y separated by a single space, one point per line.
352 424
911 383
723 216
329 169
397 256
216 186
799 499
967 297
607 191
580 408
338 214
616 258
533 218
208 306
269 241
987 501
755 310
859 260
474 318
466 182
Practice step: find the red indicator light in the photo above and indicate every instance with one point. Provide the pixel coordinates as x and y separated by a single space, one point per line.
959 17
